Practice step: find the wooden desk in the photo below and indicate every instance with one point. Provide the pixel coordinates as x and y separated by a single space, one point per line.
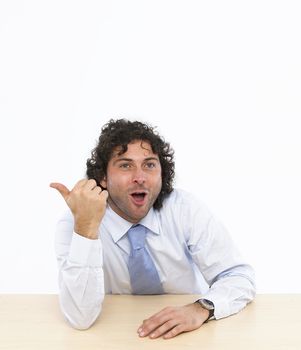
35 322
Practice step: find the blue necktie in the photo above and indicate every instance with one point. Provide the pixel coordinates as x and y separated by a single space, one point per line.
143 273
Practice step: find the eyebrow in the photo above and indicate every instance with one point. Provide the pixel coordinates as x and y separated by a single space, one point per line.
131 160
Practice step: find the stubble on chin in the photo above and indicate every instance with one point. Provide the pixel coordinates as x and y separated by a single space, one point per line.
127 213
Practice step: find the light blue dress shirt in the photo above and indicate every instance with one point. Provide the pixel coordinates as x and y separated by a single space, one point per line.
191 250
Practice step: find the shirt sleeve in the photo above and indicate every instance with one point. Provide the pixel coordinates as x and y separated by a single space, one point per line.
231 280
81 282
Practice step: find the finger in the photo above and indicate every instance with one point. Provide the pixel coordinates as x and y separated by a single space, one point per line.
152 324
81 183
164 328
97 190
104 195
173 332
61 188
90 184
162 312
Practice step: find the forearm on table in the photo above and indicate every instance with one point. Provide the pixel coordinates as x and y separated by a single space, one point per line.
232 291
81 293
81 281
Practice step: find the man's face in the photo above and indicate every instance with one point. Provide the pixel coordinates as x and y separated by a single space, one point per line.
133 180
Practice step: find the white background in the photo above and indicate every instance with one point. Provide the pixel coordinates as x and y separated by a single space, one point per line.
220 79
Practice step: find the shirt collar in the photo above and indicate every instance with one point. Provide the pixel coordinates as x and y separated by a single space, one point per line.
118 227
151 221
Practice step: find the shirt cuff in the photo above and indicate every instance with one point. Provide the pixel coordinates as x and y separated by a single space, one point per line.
221 306
85 251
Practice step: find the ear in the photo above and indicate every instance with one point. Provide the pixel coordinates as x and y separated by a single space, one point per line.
103 182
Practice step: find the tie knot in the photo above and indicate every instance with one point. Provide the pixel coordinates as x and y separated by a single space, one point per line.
137 235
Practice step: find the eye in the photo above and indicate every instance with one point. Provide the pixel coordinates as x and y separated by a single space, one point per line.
125 165
150 165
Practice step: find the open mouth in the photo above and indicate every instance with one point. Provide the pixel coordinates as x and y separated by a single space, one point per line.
138 197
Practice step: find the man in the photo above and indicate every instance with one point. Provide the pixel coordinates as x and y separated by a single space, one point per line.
128 196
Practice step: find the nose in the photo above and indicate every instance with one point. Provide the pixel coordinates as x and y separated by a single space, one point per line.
139 177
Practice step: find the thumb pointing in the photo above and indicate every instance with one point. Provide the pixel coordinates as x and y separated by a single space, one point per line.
61 188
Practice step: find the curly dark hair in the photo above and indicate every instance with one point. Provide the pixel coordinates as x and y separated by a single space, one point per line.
121 132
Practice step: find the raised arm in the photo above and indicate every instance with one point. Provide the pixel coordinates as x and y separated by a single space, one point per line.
79 253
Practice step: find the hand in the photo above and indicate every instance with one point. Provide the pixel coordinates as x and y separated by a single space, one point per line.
87 202
172 321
